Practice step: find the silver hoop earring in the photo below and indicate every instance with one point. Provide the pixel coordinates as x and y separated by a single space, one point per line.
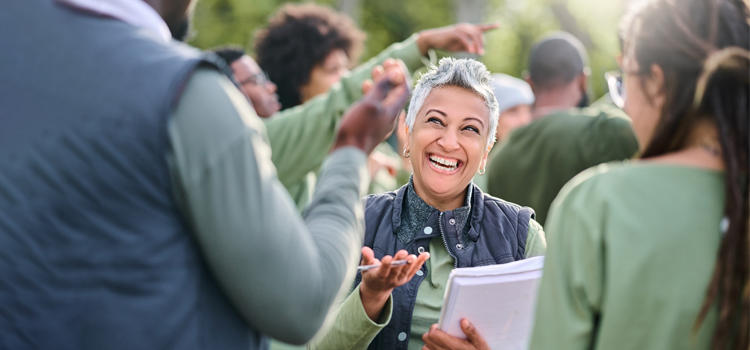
481 171
406 153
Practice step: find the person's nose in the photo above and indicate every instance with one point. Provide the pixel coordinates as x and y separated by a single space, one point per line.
448 141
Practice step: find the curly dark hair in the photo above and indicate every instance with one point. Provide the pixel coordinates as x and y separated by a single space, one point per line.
299 37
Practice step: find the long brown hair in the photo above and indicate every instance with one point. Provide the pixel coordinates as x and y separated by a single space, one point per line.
702 48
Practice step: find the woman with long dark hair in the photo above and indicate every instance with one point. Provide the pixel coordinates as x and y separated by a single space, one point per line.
654 253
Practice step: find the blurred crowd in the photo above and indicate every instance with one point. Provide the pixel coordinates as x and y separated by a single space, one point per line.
153 195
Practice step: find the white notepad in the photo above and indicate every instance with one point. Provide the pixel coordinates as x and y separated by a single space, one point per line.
498 299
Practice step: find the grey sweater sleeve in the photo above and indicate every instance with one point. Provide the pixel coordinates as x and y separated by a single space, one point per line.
280 271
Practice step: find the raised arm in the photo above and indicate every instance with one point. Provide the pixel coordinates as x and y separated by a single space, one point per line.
281 272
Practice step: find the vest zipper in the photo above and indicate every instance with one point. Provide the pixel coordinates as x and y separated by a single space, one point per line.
442 236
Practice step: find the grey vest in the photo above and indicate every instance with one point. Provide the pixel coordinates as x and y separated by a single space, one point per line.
94 253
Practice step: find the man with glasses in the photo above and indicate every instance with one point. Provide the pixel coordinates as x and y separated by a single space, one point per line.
252 81
535 161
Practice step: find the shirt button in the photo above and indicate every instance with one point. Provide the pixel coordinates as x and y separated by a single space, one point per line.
459 246
420 250
452 221
427 230
402 336
420 273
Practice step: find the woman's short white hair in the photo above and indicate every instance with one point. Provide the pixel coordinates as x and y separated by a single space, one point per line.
464 73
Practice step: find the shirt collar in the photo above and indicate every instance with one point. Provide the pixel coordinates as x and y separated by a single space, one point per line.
134 12
417 212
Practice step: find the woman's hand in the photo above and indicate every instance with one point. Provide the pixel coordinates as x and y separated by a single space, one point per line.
459 37
378 283
436 339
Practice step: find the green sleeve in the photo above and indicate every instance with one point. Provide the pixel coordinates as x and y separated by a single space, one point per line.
301 136
571 288
262 253
352 328
536 241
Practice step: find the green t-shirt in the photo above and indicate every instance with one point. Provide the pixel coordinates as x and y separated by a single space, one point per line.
631 251
535 161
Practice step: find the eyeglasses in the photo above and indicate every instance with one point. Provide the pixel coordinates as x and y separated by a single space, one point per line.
259 78
616 87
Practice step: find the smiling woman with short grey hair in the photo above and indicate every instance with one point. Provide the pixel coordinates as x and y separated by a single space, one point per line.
439 214
466 73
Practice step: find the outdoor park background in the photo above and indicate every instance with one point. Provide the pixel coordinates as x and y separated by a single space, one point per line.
595 23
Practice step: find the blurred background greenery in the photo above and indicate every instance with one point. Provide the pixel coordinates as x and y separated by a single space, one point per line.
220 22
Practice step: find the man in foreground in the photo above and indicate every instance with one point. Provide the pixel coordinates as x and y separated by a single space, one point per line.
139 208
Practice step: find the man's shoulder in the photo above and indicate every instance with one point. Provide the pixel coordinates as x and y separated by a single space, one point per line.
577 118
572 126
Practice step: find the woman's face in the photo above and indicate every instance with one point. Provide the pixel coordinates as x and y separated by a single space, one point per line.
644 98
448 144
325 74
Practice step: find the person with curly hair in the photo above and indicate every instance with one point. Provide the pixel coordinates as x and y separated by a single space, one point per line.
307 48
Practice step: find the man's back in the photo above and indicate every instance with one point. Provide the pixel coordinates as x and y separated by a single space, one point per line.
533 164
95 252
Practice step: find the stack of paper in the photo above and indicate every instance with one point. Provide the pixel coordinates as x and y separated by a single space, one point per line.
498 299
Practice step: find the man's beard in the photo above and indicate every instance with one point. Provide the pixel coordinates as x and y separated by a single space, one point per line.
180 30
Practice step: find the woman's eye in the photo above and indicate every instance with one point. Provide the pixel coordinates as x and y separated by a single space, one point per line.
332 69
434 120
472 129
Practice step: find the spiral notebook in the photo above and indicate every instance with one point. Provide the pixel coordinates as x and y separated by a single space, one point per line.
498 299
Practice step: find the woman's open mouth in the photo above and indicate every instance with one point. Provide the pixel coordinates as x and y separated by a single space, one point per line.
443 164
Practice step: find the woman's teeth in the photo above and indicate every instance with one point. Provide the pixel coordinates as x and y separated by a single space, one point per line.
445 164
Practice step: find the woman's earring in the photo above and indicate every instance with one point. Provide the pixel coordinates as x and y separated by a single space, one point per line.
406 153
481 171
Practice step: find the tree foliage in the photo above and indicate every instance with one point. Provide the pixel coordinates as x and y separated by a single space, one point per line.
220 22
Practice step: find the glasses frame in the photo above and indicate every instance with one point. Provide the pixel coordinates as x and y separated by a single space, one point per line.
259 78
616 87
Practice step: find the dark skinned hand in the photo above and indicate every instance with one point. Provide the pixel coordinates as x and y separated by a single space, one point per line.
458 37
369 121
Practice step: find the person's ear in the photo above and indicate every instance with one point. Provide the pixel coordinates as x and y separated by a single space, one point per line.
583 82
405 150
483 163
654 84
527 79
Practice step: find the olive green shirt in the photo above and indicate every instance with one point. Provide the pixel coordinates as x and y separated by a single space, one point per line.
631 252
281 272
534 162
